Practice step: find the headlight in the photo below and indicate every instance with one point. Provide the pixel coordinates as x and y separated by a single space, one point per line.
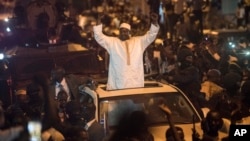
247 53
1 56
231 44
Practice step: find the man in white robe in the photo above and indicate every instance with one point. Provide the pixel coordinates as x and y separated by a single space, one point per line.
126 54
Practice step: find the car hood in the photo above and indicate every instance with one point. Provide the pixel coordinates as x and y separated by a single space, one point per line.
159 131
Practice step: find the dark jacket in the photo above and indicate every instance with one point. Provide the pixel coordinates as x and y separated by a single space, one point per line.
73 83
96 132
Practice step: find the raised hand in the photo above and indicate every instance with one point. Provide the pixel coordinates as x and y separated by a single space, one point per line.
100 18
154 18
165 109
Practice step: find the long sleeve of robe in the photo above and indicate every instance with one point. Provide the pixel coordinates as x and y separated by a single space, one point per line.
126 57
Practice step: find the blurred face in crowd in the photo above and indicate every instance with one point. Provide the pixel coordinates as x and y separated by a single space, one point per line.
170 134
57 74
189 59
22 98
214 121
84 136
214 76
62 99
124 34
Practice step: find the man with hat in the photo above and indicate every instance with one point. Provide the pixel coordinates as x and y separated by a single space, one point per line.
126 54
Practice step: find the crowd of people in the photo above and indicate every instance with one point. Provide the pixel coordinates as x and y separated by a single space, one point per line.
63 109
207 69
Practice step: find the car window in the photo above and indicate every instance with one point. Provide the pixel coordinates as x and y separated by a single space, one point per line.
114 108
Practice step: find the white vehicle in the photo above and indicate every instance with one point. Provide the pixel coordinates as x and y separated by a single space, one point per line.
113 104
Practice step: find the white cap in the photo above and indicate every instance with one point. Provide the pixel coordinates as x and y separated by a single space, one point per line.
125 25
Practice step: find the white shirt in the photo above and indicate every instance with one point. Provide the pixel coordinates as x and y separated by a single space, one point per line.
65 87
126 61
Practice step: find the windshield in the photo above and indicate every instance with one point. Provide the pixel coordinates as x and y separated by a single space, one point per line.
114 108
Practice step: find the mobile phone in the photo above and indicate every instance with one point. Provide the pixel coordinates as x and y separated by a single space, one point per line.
34 129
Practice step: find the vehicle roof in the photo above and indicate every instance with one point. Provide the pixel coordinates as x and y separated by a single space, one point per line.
150 87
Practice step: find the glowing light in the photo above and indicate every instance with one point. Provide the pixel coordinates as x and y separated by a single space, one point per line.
232 45
8 29
6 20
1 56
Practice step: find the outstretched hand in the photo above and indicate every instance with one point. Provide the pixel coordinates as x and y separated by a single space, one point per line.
165 109
100 18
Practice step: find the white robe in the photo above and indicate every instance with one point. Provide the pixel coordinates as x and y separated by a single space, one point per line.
125 67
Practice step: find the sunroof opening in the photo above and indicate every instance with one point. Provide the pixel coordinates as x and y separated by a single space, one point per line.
146 85
151 85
